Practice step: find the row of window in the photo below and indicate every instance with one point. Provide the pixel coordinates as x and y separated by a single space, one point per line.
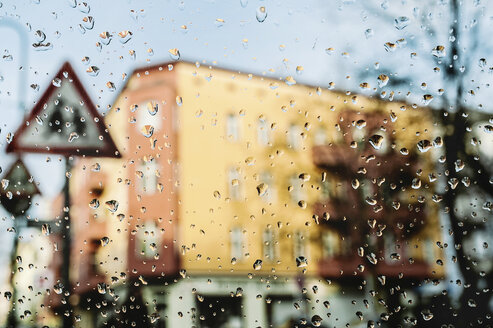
236 192
294 133
333 245
270 244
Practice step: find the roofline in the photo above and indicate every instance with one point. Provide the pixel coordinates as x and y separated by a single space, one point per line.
373 96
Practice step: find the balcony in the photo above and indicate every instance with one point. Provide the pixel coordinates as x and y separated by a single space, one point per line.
340 267
408 221
338 211
347 267
417 270
344 160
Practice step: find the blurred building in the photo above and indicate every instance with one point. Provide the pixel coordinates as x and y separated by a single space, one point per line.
244 201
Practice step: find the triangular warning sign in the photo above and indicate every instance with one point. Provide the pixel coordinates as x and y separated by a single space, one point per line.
19 181
64 121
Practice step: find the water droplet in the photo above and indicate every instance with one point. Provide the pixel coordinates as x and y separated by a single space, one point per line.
438 51
154 317
250 161
83 7
40 36
360 124
219 22
376 141
179 101
92 70
301 261
424 145
401 22
94 204
416 183
243 3
102 288
125 36
426 99
395 256
88 22
86 60
355 183
304 177
290 80
261 14
390 46
152 108
73 136
46 229
112 205
262 189
382 80
488 128
58 288
427 315
459 165
372 258
174 54
147 131
105 241
7 295
57 82
317 320
105 37
111 86
257 265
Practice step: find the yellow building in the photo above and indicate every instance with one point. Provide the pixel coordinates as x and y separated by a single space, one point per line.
227 176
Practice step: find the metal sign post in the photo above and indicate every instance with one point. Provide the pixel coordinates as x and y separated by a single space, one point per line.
15 195
67 243
65 121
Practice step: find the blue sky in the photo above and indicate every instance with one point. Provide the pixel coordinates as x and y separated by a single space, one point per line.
295 33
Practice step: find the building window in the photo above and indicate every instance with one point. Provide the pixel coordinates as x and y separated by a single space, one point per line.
234 184
94 265
299 245
329 243
366 189
263 133
320 137
145 116
148 173
232 128
267 178
269 245
296 190
294 136
148 239
326 187
237 243
340 190
429 251
389 246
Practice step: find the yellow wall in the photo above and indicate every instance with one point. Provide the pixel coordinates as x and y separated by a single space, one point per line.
205 152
